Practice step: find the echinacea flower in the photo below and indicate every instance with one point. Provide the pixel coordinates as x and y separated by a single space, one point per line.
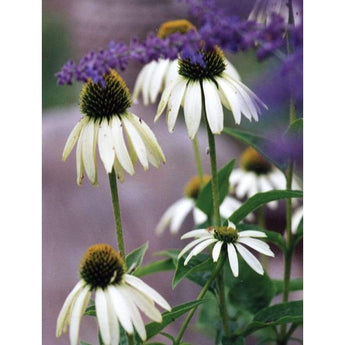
255 175
229 239
178 211
105 121
212 83
264 9
156 75
118 298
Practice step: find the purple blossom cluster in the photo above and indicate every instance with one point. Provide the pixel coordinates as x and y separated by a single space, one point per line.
230 33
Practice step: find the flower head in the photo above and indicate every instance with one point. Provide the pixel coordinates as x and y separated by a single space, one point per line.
256 174
105 120
118 298
207 75
230 239
178 211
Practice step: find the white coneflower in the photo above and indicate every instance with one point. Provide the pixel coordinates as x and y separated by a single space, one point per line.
231 240
213 82
105 120
178 211
118 298
255 175
263 10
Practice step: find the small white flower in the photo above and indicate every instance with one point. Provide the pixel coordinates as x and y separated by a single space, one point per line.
296 218
255 175
231 240
105 122
263 10
178 211
118 298
219 82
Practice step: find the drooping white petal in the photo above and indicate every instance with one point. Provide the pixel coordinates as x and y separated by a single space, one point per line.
213 105
196 233
231 225
199 216
250 259
145 304
258 245
199 248
235 176
102 315
181 210
106 145
264 184
228 206
73 137
136 141
233 259
231 70
113 320
192 108
135 315
120 308
273 205
120 146
139 84
147 290
174 103
63 315
158 78
165 97
147 81
120 173
252 233
216 250
79 160
278 179
77 313
246 184
172 72
166 218
88 150
192 244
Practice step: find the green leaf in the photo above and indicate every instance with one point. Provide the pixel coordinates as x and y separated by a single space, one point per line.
272 236
90 310
170 253
276 315
154 328
155 267
135 258
260 199
204 201
196 265
84 343
260 144
250 291
295 130
294 285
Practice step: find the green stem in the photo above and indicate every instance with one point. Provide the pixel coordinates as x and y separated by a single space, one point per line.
202 293
117 213
198 161
262 224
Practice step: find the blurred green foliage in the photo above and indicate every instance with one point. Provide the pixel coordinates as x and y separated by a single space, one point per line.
56 50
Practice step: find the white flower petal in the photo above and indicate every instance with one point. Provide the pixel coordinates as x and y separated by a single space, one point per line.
172 72
213 105
147 81
258 245
88 137
79 160
246 184
192 244
166 218
264 184
296 218
195 233
147 290
199 248
228 206
135 315
181 210
136 141
120 173
252 233
199 216
175 103
233 259
250 259
73 137
231 225
165 98
158 78
278 179
231 70
192 108
235 176
139 83
65 310
102 315
216 250
113 320
120 308
106 146
77 313
145 304
120 146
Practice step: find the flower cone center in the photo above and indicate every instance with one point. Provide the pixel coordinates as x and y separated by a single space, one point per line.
251 160
226 234
193 187
180 25
104 101
101 266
